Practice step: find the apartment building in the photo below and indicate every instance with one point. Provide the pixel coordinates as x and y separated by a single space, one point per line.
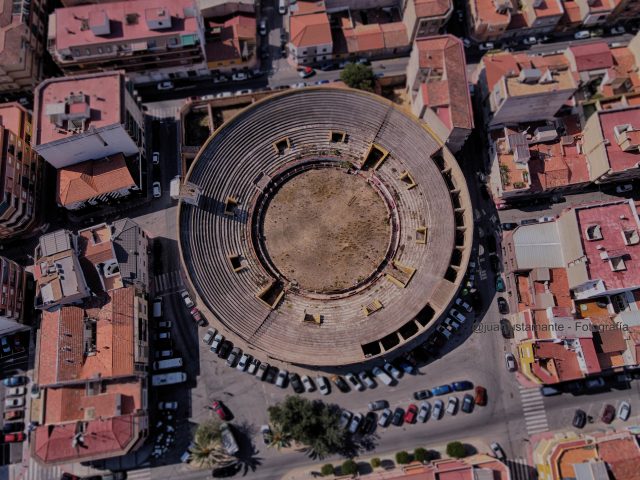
310 39
231 44
12 291
22 29
21 173
595 12
425 17
151 40
489 19
437 83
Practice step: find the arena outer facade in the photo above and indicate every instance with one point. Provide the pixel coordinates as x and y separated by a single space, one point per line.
266 301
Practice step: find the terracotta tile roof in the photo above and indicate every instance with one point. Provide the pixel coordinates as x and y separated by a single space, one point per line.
310 30
619 160
572 15
364 38
102 438
560 362
432 8
590 356
394 35
303 7
446 54
622 456
82 181
233 34
61 346
591 56
609 340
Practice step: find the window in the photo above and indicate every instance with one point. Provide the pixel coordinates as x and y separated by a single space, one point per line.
100 50
87 51
108 48
76 51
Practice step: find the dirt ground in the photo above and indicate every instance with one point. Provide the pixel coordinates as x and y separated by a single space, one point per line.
326 229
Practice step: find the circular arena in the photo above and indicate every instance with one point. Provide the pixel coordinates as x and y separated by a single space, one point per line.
329 227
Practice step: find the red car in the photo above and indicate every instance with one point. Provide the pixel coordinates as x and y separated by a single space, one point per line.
13 414
197 317
14 437
481 396
217 407
412 411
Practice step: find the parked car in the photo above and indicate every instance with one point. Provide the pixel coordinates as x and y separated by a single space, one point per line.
263 27
500 284
354 424
272 374
624 409
265 431
382 376
160 354
549 391
452 405
245 91
385 417
530 41
16 391
497 451
198 318
244 362
167 405
594 383
308 383
157 190
345 418
579 419
441 390
506 329
486 46
581 35
627 187
510 360
217 342
369 423
12 415
225 349
341 384
503 306
165 86
378 405
14 402
221 411
261 372
234 357
281 379
608 414
167 324
16 437
398 417
186 299
422 394
481 396
423 413
306 72
366 379
411 413
617 30
323 385
296 384
508 226
252 369
353 380
155 158
162 336
438 408
11 427
4 343
462 386
14 380
462 304
239 76
467 403
457 315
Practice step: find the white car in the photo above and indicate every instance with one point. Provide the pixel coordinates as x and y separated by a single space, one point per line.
466 42
355 383
382 376
308 384
263 27
486 46
16 391
155 158
244 361
354 425
157 190
582 34
366 379
457 315
436 413
452 405
208 337
298 85
224 95
246 91
423 413
165 86
391 370
323 385
281 378
510 360
164 353
217 341
618 30
462 304
623 411
239 76
627 187
14 402
530 41
497 451
186 299
345 418
167 405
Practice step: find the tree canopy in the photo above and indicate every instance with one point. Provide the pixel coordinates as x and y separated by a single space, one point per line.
456 450
310 423
358 76
208 449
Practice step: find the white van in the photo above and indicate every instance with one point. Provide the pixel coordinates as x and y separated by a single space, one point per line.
157 308
282 7
168 378
167 364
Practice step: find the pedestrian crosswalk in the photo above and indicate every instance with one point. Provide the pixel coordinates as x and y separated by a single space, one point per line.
164 112
35 471
167 282
520 469
535 417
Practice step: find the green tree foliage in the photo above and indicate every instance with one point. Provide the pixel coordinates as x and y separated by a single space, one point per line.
349 467
310 423
358 76
208 450
326 470
279 438
402 458
376 462
456 450
421 455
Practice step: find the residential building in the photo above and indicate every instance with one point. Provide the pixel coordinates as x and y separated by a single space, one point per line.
12 292
612 144
132 249
489 19
510 84
625 11
572 18
310 37
96 181
596 455
437 83
151 40
22 29
21 172
595 12
425 17
231 44
478 466
91 370
541 16
225 8
591 61
74 3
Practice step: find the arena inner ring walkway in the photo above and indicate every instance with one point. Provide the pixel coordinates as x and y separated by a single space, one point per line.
244 163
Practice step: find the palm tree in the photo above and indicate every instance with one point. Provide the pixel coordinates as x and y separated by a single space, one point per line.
207 449
279 438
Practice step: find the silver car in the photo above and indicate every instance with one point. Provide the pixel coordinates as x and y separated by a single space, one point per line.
423 413
323 385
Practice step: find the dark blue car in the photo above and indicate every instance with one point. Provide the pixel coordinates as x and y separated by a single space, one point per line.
441 390
462 386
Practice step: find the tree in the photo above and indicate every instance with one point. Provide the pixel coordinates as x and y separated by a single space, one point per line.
208 449
403 457
421 455
326 470
279 438
311 423
456 450
358 76
376 462
349 467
